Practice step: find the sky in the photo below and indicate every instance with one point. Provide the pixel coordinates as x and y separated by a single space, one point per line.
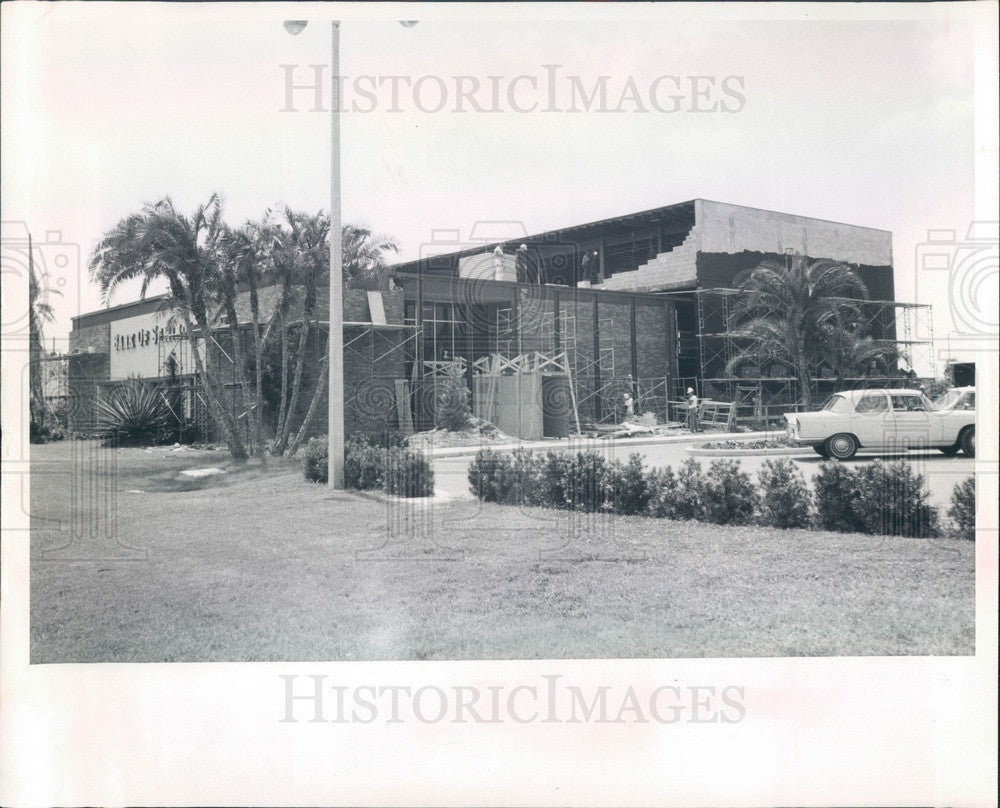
869 122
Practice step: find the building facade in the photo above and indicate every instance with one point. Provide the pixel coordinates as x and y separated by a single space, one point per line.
548 333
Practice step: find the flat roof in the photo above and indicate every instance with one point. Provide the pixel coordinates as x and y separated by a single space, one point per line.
110 313
651 213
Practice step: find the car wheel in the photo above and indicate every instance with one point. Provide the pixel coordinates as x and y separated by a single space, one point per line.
968 441
821 451
842 446
951 451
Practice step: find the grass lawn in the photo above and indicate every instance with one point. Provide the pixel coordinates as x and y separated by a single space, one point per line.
254 565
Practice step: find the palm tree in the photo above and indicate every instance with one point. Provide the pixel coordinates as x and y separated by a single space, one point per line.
40 311
783 311
305 256
159 242
844 350
364 256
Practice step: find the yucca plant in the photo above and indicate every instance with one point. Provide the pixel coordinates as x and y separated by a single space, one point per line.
134 414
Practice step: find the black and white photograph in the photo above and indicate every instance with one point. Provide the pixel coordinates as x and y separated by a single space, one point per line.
479 336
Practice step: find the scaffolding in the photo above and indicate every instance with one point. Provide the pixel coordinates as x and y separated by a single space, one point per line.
905 327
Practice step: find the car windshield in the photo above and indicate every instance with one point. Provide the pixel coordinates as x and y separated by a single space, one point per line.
956 399
837 404
945 400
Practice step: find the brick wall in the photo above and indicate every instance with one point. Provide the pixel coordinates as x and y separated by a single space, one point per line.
96 338
84 373
651 341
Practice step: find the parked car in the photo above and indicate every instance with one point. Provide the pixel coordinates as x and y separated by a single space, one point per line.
887 419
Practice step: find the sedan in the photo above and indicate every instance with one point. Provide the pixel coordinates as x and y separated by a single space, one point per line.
886 419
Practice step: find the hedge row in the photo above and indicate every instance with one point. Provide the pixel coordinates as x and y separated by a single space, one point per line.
392 469
881 498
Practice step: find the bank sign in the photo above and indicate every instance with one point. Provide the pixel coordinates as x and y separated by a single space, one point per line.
149 346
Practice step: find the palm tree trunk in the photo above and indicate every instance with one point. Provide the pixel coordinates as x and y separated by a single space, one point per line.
250 407
296 388
258 361
283 402
802 371
221 416
321 384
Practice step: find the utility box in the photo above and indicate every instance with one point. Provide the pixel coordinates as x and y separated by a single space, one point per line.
512 403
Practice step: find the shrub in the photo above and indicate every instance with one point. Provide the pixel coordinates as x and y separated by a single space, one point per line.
963 509
133 414
484 472
364 466
628 490
394 470
48 425
527 483
782 442
381 439
730 496
407 473
315 460
554 475
451 405
785 500
689 498
837 494
585 481
662 487
892 500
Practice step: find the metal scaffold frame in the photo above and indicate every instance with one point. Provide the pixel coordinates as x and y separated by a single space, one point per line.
908 326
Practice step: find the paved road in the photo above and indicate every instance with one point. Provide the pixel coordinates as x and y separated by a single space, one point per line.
941 472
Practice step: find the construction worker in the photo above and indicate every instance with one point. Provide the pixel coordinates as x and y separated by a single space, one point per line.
692 410
629 405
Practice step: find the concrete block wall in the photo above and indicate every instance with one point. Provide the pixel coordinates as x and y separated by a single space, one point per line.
674 269
731 229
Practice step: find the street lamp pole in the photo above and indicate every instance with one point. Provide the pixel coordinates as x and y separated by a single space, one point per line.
335 396
335 383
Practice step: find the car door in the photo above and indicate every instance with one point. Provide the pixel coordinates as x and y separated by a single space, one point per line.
870 420
912 422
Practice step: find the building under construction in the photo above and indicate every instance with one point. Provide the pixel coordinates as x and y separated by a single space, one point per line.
554 333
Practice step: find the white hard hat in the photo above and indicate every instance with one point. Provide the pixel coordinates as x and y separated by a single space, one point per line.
690 389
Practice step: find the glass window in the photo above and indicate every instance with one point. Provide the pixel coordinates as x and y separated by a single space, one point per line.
946 400
873 402
908 403
968 402
837 404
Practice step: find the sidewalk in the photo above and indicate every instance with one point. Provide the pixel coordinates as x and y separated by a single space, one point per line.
579 444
